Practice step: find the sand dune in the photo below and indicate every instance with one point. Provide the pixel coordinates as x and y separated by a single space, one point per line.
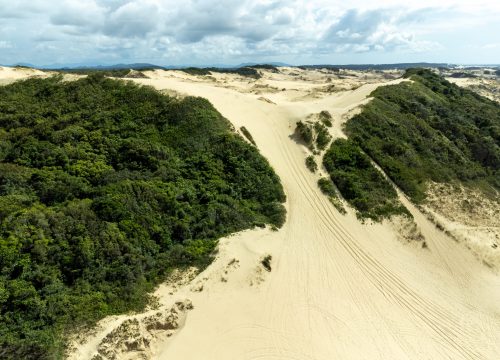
337 289
11 74
487 87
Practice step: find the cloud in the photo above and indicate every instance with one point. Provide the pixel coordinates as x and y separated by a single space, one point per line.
376 30
133 19
211 31
250 20
5 44
492 46
86 15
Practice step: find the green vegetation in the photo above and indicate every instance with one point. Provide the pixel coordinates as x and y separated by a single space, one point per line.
266 262
311 163
430 130
105 187
118 73
196 71
305 133
462 75
326 118
363 186
247 134
269 67
322 136
243 71
313 134
327 188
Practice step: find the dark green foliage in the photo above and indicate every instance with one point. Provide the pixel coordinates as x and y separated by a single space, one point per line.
326 187
196 71
247 134
243 71
305 133
311 163
497 72
462 75
266 262
269 67
326 118
322 136
105 187
119 73
360 183
430 129
313 134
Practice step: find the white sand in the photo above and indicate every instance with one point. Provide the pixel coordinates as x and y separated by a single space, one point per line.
10 74
338 289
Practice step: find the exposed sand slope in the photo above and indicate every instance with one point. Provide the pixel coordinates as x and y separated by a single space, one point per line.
487 87
338 289
470 217
11 74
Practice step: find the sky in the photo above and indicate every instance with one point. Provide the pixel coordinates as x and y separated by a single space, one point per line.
211 32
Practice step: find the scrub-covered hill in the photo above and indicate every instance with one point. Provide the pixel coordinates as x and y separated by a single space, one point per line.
106 186
437 142
430 130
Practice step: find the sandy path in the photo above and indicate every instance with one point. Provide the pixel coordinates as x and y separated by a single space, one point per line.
338 289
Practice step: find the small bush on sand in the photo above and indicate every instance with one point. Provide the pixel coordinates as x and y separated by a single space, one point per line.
266 262
247 134
323 137
305 133
326 118
311 163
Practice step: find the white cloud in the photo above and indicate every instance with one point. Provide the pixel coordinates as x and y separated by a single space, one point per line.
133 19
87 15
492 46
5 44
211 31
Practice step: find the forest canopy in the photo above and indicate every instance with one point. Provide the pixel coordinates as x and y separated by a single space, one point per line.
105 186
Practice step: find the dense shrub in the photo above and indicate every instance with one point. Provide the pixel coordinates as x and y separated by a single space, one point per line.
322 136
326 118
305 133
311 163
430 129
242 71
326 187
119 73
105 187
247 134
360 183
